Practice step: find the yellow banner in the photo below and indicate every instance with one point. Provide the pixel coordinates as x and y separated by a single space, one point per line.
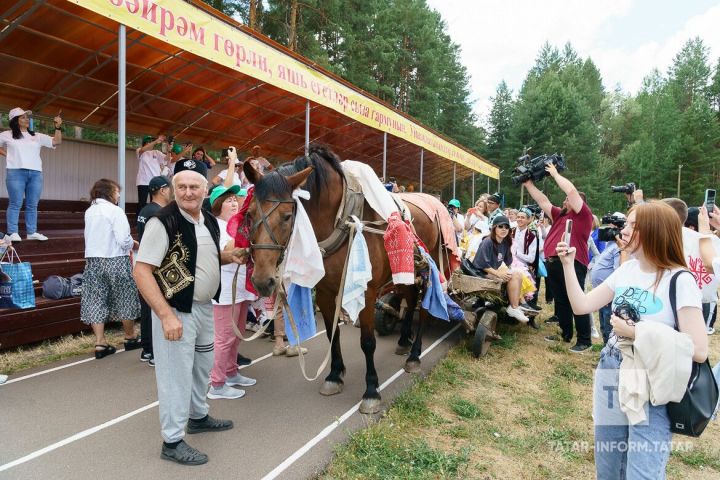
189 28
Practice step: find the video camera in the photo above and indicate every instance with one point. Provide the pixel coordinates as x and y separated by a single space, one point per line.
534 168
627 188
611 227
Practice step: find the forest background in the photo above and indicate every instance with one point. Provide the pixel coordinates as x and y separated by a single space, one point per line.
665 138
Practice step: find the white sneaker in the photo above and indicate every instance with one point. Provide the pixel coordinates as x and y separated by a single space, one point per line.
252 326
3 379
594 333
225 392
37 236
517 314
294 351
14 237
240 381
710 330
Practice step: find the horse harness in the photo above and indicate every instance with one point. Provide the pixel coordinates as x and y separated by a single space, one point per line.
263 221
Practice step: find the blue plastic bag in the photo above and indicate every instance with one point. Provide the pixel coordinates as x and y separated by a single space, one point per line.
303 311
542 271
19 286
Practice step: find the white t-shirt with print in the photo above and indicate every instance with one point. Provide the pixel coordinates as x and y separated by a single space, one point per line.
151 164
227 272
25 152
236 178
632 285
707 282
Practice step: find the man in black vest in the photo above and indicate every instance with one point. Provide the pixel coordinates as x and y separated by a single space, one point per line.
178 273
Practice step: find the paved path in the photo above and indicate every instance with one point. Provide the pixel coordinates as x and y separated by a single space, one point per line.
99 419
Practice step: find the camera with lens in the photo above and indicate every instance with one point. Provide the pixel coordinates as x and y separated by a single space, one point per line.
611 227
627 188
533 169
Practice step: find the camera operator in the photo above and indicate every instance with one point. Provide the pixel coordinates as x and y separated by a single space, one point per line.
603 265
575 209
457 218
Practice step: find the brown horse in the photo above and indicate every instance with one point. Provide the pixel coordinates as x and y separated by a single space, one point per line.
272 215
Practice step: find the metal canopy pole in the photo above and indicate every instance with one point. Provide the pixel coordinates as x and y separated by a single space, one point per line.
454 168
473 189
384 175
121 114
488 189
422 165
307 127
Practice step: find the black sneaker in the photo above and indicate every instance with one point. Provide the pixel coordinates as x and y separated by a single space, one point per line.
146 356
552 319
579 348
151 362
556 338
208 424
183 454
243 360
529 308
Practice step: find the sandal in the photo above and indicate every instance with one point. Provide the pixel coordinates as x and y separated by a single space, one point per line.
132 344
104 352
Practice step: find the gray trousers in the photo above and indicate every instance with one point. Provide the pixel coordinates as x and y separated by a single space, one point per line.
182 370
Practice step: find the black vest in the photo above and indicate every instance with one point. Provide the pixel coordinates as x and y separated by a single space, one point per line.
176 275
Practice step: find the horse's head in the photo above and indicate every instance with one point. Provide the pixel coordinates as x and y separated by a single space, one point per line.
271 217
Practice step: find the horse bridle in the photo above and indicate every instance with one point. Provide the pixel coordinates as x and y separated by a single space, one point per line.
264 222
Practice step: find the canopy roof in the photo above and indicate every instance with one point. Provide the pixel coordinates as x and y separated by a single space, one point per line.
59 56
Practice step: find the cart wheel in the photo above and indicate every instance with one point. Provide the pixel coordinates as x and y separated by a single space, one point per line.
385 322
489 322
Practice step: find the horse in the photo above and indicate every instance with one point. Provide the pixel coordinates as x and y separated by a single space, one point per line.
271 216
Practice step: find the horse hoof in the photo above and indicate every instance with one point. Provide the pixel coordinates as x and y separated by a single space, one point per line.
413 366
331 388
402 349
368 406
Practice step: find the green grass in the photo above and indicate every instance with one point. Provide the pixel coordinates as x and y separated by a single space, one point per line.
699 458
465 409
572 373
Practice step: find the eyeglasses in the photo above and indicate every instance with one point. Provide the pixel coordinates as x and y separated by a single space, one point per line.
504 227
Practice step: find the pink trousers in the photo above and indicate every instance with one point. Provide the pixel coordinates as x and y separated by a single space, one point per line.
226 342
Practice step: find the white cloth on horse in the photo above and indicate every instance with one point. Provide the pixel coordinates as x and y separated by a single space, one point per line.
303 263
379 199
359 273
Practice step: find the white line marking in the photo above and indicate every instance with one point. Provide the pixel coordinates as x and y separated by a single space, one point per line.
43 372
90 431
330 428
74 438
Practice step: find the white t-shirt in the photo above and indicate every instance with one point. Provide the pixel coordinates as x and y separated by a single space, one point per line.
236 178
227 272
25 152
707 282
631 285
151 163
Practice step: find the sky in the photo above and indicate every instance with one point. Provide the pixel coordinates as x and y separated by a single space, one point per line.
626 39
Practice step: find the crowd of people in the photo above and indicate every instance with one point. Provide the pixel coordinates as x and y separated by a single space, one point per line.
180 283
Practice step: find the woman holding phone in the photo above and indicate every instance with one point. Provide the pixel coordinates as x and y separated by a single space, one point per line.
652 235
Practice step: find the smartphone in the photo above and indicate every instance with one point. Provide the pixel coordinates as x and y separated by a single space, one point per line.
224 153
710 200
568 232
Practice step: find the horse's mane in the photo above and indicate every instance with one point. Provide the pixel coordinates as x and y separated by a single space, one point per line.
272 185
320 158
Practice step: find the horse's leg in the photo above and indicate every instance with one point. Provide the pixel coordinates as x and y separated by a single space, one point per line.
404 342
333 382
371 398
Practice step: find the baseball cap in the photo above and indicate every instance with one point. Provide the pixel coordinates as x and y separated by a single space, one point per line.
17 112
500 220
190 164
156 183
242 193
147 139
454 203
220 190
177 148
495 198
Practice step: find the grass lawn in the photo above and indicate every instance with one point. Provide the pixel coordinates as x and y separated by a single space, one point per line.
521 412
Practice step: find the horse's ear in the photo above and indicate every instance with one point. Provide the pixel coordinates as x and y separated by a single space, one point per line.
250 173
299 178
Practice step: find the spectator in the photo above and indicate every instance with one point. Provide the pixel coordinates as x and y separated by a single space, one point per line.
575 209
457 218
178 280
710 251
151 163
200 155
603 266
494 257
160 195
477 215
260 163
493 206
224 374
652 234
238 177
24 179
186 163
109 293
597 243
